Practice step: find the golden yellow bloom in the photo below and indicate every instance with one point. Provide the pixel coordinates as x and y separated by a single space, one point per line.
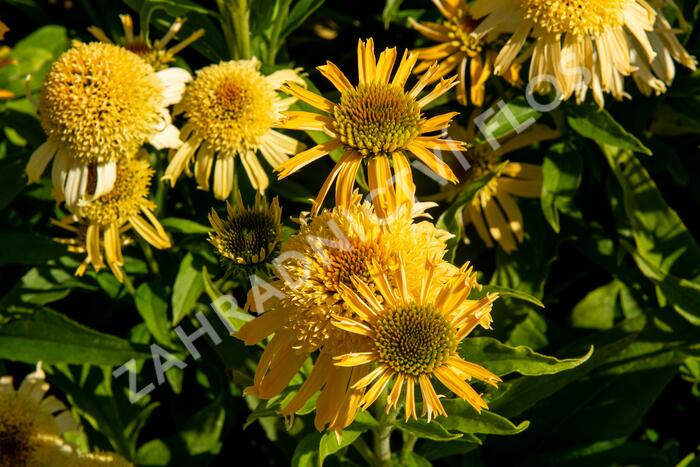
100 222
31 424
329 250
586 44
472 57
248 237
231 110
414 334
154 54
375 121
493 211
99 104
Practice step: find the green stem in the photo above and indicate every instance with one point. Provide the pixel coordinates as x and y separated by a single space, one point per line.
361 446
277 26
226 26
382 435
240 18
409 442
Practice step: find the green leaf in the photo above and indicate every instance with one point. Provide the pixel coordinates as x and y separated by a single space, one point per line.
683 294
51 337
507 120
153 308
391 8
503 360
27 248
306 452
329 444
429 430
514 397
301 10
464 419
201 433
154 453
597 309
562 176
505 292
33 56
600 126
184 226
187 288
666 252
411 459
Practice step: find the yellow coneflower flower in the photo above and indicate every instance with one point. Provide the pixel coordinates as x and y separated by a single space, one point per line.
231 110
414 334
472 57
31 424
248 237
154 54
609 39
329 250
5 60
100 222
493 211
99 104
375 121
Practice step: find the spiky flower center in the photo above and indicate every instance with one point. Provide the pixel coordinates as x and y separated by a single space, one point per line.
377 118
247 237
579 17
231 106
413 340
129 195
101 102
15 441
460 28
345 263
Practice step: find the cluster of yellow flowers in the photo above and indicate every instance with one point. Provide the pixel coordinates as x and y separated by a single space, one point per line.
364 289
31 425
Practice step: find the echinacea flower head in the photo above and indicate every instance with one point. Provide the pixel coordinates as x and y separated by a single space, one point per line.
314 266
494 211
99 104
586 44
376 122
231 110
414 335
31 423
155 54
472 57
98 224
248 237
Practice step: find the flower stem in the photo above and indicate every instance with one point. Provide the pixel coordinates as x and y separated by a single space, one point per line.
409 442
240 18
382 435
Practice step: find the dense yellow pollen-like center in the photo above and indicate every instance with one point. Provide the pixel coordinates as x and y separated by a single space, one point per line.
231 106
580 17
231 98
15 441
461 26
130 192
377 118
101 102
413 340
343 264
